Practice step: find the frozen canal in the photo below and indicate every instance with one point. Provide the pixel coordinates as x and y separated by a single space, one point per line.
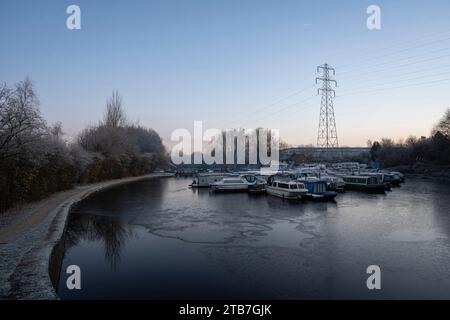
158 239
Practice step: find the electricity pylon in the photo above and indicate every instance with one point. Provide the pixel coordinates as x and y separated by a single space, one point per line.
327 134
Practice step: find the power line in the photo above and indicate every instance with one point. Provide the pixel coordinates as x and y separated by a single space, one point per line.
398 87
403 80
309 98
280 110
393 53
269 106
265 117
296 111
397 60
413 72
399 44
396 67
272 104
376 71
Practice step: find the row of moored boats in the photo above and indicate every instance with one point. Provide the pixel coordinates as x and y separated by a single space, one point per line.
314 182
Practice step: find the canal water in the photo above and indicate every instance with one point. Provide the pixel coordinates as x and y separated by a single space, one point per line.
158 239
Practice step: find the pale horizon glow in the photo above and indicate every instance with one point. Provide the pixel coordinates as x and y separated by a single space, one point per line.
231 63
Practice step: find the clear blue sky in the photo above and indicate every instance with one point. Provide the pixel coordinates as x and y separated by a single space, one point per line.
227 61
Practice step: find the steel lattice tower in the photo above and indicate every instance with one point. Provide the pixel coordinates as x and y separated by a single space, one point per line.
327 134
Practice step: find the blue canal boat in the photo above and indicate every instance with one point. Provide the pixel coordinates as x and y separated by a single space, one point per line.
318 189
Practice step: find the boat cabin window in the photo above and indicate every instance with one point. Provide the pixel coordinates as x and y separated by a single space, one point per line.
356 180
232 181
250 178
283 185
372 180
293 186
319 187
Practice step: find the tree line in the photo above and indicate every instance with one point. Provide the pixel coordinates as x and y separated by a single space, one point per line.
35 160
432 150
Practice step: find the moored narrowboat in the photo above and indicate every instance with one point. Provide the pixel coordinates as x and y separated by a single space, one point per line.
364 183
318 189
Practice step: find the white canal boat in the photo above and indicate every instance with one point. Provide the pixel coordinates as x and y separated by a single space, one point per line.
239 183
286 189
205 179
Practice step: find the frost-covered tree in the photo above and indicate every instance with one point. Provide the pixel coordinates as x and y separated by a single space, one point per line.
35 161
114 115
21 124
443 126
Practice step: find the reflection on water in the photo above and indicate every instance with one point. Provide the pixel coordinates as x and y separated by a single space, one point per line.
107 230
159 239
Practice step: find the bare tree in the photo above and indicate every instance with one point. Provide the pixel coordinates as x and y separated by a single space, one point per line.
443 126
57 130
114 114
284 145
20 121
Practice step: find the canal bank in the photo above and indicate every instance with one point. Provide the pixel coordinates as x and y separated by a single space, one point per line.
28 236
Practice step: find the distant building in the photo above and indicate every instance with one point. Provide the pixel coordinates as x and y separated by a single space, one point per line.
311 154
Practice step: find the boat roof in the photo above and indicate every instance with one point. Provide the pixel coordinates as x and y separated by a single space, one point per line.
356 176
206 174
313 179
287 181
